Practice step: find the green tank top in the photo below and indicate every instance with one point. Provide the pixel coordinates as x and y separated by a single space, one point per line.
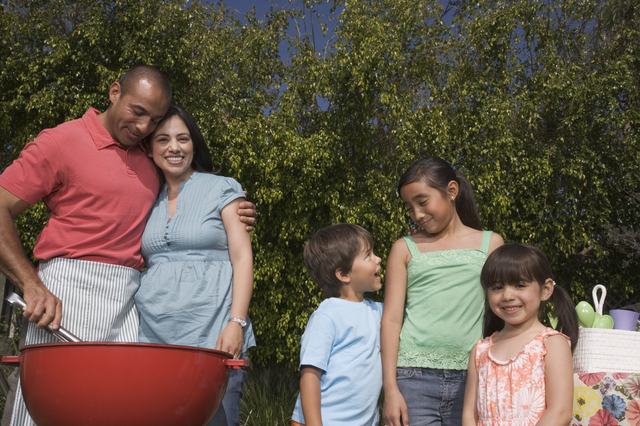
444 307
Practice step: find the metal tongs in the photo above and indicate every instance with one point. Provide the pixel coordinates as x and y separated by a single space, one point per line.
61 333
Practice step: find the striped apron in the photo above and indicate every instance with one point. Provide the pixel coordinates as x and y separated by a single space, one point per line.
97 306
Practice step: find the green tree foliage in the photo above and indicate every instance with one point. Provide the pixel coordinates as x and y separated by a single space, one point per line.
554 138
536 102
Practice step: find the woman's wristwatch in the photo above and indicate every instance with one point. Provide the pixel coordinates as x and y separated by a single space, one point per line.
241 321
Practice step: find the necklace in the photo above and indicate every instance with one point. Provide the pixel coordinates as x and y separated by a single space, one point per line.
170 195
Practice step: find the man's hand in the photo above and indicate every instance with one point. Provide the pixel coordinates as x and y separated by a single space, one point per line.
248 214
43 308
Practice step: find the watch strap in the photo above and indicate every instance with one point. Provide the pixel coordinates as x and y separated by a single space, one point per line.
241 321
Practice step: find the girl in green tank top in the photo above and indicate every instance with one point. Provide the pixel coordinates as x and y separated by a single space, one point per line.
433 298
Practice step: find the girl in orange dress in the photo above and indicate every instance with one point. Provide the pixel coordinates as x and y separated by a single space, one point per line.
522 372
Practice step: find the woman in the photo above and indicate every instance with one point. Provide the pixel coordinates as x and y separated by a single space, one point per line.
198 285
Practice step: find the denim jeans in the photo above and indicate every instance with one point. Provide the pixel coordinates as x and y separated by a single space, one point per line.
433 397
228 413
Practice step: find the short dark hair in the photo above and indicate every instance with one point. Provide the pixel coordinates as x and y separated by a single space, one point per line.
202 161
332 248
144 72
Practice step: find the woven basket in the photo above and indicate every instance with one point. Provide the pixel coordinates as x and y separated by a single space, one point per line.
601 350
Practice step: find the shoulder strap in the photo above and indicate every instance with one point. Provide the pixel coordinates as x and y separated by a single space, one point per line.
551 332
486 239
413 249
482 348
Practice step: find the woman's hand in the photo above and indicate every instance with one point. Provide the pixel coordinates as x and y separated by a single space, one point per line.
395 408
230 339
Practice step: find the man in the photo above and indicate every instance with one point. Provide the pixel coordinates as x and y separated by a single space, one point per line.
99 185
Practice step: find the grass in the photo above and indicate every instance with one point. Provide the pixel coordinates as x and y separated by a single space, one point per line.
269 396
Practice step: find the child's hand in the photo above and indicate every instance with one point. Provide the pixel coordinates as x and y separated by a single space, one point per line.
394 409
230 340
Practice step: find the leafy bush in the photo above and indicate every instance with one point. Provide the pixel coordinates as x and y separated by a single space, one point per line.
536 102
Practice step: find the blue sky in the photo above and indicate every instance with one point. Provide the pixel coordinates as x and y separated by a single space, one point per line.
262 7
324 9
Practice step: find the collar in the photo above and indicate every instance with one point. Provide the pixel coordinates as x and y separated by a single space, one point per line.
99 134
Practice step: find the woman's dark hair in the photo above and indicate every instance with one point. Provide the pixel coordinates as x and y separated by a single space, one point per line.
201 155
437 173
512 263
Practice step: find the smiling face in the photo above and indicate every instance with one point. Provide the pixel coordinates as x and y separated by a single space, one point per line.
135 114
365 272
428 207
172 149
518 304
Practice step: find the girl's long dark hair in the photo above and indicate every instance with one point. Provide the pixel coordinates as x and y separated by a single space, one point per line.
202 161
437 173
511 263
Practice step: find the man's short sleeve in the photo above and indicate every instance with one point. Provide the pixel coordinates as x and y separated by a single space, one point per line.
317 341
33 175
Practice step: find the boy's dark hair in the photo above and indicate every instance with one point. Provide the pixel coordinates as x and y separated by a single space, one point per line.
332 248
511 263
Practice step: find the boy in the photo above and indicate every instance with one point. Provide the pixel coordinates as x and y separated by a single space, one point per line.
341 369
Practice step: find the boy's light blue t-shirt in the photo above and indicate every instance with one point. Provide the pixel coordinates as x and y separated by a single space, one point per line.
343 339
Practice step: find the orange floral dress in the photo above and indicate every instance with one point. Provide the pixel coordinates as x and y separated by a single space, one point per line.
512 392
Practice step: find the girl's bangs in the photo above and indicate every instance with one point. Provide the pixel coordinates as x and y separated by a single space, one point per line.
511 265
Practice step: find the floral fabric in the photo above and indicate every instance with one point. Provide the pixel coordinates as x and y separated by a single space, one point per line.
610 399
512 392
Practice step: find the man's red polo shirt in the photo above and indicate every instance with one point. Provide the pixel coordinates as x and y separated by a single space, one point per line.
99 193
